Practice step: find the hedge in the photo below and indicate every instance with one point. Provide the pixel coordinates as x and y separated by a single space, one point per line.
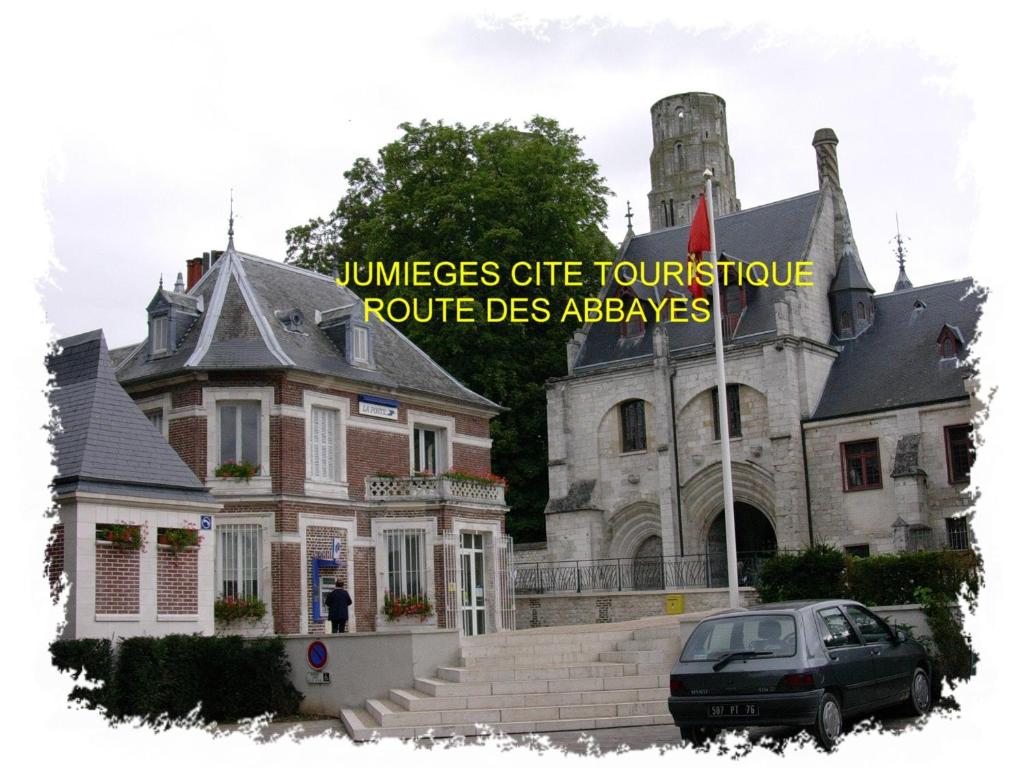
231 677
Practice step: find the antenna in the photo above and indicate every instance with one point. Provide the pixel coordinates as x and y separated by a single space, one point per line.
231 221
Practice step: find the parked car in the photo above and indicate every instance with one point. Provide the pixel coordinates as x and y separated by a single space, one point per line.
808 664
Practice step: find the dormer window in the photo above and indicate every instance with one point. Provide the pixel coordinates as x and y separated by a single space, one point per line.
950 342
160 335
632 327
360 344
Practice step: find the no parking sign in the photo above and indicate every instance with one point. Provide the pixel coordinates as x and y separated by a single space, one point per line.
316 655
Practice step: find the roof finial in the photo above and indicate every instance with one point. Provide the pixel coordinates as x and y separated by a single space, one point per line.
629 216
231 221
902 281
161 281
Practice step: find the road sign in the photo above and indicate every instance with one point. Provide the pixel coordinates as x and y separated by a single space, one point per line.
316 655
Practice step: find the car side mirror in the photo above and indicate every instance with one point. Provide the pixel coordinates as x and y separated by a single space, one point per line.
901 636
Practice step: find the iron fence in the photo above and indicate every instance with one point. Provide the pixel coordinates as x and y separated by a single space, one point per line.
637 574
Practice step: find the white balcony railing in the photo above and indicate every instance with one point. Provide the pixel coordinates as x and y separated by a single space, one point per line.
433 489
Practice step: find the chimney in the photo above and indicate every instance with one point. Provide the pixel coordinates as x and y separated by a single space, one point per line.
194 269
825 142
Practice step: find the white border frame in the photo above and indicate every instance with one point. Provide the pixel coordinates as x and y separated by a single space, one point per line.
430 539
225 486
162 402
341 406
328 521
415 419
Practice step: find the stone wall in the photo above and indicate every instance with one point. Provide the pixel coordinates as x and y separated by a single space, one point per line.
606 607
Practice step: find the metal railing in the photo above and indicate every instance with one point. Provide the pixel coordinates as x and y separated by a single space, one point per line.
637 574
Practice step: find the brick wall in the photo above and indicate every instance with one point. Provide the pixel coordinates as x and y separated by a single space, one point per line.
370 451
177 581
117 579
288 454
188 437
319 541
53 559
471 459
285 575
365 605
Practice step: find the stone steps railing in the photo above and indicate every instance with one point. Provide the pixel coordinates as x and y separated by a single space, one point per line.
433 489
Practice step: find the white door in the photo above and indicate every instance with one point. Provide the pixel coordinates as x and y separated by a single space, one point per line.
472 592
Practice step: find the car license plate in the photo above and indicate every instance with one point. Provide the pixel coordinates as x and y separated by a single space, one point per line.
732 710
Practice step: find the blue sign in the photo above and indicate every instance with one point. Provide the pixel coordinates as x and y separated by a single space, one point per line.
379 407
206 522
318 563
316 654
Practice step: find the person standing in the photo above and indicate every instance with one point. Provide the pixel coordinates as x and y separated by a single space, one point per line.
337 603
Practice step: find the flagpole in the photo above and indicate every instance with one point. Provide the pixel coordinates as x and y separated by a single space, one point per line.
723 407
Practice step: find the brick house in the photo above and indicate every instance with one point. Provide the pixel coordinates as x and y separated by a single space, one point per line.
850 410
120 491
348 429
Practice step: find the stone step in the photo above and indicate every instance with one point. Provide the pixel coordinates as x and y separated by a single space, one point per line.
659 633
418 701
637 657
673 644
447 689
536 660
537 647
550 637
520 674
360 726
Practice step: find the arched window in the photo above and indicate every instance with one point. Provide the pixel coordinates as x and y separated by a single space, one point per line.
734 301
949 347
861 313
949 344
634 426
680 157
845 323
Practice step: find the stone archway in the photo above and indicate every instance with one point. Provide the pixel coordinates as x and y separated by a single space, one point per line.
648 566
755 540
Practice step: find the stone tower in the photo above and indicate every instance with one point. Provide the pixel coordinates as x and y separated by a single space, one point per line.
690 134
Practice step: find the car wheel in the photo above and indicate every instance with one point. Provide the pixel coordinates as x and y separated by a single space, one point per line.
920 699
829 723
697 736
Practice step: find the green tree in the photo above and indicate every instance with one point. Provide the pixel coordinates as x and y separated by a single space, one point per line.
485 193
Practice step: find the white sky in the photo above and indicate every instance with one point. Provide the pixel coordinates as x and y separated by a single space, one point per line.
160 115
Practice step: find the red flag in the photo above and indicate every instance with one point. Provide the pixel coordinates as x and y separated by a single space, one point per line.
700 241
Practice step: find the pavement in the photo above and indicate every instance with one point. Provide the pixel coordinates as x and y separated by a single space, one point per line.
595 742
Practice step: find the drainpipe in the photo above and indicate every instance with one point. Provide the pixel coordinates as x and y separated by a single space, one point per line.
675 457
807 483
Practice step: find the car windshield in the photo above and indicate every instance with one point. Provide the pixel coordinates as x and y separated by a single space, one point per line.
773 635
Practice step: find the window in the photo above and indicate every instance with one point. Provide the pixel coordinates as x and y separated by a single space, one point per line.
634 428
161 327
845 324
239 554
323 436
426 450
861 313
732 403
774 635
871 628
836 629
360 344
156 418
633 326
734 301
858 550
239 432
949 344
958 535
862 468
959 453
406 563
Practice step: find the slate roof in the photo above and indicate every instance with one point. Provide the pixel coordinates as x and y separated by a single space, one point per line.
850 274
106 444
895 362
238 329
776 232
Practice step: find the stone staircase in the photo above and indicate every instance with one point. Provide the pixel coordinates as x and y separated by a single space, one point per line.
536 680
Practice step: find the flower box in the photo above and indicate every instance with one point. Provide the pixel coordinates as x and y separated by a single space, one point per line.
237 470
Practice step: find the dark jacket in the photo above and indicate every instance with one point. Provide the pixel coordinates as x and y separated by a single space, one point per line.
337 604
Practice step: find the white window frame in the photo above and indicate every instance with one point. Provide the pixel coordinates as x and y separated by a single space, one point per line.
260 435
316 486
428 527
360 332
212 398
445 425
160 403
161 334
258 529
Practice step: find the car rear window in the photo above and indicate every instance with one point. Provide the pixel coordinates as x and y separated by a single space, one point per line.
773 635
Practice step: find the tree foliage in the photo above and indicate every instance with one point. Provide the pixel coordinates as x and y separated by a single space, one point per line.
483 193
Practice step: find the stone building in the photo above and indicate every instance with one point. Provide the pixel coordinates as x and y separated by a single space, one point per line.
336 447
849 410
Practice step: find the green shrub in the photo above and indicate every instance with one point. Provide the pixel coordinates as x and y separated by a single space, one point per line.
816 573
893 579
94 659
230 677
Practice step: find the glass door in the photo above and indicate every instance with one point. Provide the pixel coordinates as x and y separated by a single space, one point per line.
471 561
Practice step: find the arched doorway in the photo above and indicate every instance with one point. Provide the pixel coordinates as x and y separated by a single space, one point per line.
755 541
648 565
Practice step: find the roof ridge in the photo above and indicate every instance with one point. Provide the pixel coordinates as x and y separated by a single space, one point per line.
967 279
285 265
735 213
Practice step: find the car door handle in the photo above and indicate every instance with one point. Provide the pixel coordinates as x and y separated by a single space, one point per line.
834 656
875 651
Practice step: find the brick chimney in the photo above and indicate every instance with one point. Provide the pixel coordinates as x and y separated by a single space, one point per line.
825 142
194 269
